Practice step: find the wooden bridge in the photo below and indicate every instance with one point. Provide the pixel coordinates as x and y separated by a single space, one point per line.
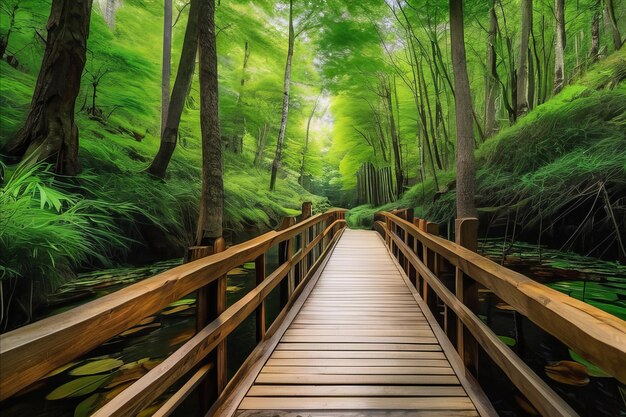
372 323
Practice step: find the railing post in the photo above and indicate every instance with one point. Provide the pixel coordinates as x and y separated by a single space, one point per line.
259 270
210 303
466 232
307 211
285 252
430 260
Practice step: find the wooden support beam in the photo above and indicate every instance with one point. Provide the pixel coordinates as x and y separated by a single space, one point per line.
259 270
285 252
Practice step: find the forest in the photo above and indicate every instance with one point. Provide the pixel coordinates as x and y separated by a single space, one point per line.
132 130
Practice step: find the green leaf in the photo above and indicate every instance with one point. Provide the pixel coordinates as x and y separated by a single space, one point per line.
183 302
78 387
509 341
97 367
592 369
86 406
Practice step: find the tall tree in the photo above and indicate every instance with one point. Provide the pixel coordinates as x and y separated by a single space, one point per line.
212 197
305 148
617 36
594 51
559 47
491 75
305 22
166 67
522 68
236 139
285 109
182 84
50 129
465 166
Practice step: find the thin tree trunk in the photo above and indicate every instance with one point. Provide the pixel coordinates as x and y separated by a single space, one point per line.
285 110
212 198
260 144
595 34
395 146
236 140
166 65
559 47
522 69
465 166
50 129
491 76
182 84
306 139
617 37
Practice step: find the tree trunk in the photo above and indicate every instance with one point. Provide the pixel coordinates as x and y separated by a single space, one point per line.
522 70
306 139
617 37
158 167
595 34
285 111
386 89
212 197
236 139
465 169
50 130
490 79
166 69
559 47
260 144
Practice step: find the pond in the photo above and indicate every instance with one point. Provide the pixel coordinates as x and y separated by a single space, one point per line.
87 383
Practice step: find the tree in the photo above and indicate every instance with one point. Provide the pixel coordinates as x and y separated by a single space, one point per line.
305 23
236 139
594 51
11 9
617 36
305 148
285 109
50 130
522 68
491 75
212 197
166 70
559 47
465 170
182 84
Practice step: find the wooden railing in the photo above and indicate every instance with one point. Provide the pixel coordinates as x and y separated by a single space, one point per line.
29 353
597 336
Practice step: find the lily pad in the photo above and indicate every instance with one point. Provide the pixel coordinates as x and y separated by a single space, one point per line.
79 387
175 310
249 266
183 302
568 372
592 369
97 367
509 341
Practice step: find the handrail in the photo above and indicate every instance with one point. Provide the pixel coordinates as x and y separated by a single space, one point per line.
31 352
591 332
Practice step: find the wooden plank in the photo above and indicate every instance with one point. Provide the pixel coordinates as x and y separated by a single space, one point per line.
358 370
356 354
369 362
356 403
354 391
360 332
315 379
358 339
359 413
433 347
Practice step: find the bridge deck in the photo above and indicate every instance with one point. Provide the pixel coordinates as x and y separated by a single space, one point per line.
362 344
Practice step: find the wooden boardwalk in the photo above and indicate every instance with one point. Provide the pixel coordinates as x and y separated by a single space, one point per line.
362 344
